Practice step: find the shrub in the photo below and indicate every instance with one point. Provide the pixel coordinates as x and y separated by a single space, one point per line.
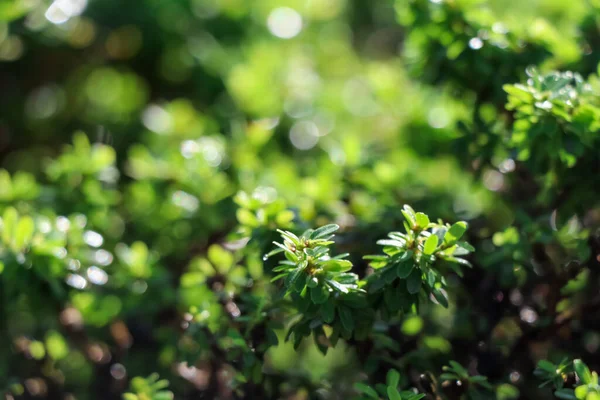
298 200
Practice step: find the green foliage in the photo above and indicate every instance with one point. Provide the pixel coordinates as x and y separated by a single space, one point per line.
411 264
587 381
557 117
456 372
553 374
389 390
320 285
150 388
207 130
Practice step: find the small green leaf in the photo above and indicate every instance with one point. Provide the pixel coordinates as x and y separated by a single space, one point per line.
295 275
459 369
506 392
24 232
367 390
409 215
328 311
440 297
422 220
413 282
566 394
300 283
337 265
393 393
391 243
405 268
9 223
324 231
581 392
247 218
56 345
466 246
457 260
583 372
337 286
412 325
593 396
455 232
163 395
447 376
319 294
430 245
37 350
346 318
546 366
393 378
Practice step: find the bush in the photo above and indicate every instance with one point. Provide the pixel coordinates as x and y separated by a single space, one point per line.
299 200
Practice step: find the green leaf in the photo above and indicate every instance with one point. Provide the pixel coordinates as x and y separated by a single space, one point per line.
163 395
367 390
312 282
566 394
455 232
284 217
56 345
409 215
412 325
300 283
405 268
319 294
293 277
431 277
328 311
583 372
11 10
430 245
393 378
289 236
466 246
24 232
337 265
393 393
459 369
9 223
448 376
413 282
346 318
389 275
593 396
507 392
422 220
457 260
37 350
324 231
391 243
581 392
220 258
547 366
272 338
440 297
337 286
247 218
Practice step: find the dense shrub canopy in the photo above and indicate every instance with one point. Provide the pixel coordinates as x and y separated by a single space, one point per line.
299 199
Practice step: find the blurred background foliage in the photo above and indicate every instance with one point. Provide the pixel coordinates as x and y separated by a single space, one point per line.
150 148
